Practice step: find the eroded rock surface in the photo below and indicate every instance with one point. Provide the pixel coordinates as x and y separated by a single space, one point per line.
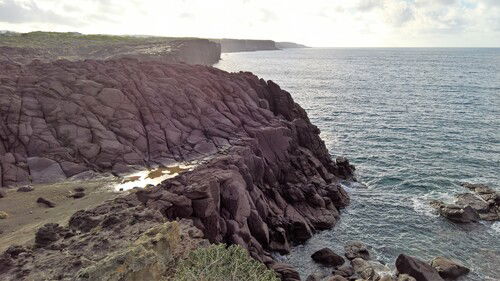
482 204
269 181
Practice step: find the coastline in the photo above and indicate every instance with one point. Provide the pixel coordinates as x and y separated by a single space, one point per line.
262 156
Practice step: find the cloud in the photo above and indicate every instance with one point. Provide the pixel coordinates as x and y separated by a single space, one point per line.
12 11
368 5
315 22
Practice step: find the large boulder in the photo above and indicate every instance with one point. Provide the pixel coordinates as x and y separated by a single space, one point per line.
327 257
448 268
44 170
416 268
455 213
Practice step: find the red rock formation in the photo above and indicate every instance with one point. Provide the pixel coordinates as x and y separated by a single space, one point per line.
270 181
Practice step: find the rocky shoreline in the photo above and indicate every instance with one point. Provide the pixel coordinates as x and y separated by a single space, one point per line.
269 183
264 179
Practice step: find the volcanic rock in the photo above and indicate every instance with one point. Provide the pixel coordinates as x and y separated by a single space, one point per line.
416 268
266 180
356 249
327 257
45 202
449 269
483 204
345 270
26 188
337 278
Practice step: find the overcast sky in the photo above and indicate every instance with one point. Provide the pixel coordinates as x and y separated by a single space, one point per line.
319 23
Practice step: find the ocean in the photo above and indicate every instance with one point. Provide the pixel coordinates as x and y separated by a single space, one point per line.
416 122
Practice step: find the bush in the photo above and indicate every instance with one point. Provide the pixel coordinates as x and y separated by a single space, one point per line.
221 263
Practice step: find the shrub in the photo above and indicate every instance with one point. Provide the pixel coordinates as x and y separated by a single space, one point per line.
221 263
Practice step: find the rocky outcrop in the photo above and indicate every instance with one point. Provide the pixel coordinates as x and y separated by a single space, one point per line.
130 244
268 181
327 257
243 45
449 269
416 268
483 204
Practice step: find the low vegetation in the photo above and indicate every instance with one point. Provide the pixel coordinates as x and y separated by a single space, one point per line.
219 262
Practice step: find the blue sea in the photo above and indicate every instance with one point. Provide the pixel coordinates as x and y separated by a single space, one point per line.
416 122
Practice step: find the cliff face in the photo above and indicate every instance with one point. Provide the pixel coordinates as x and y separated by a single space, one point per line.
50 46
241 45
269 181
289 45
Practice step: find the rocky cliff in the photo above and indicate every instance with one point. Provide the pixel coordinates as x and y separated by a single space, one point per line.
289 45
268 183
243 45
48 46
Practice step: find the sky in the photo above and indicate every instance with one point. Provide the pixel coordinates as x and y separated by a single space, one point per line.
317 23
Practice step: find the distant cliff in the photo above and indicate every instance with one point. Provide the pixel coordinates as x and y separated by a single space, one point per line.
243 45
289 45
23 48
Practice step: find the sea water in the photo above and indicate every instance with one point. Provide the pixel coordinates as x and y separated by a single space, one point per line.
416 122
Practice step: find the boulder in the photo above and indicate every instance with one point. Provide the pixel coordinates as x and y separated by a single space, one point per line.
48 234
337 278
44 170
327 257
370 270
416 268
3 215
356 249
345 270
25 188
3 194
405 277
455 213
45 202
448 268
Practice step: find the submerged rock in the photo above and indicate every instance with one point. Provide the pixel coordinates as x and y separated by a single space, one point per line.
327 257
416 268
449 269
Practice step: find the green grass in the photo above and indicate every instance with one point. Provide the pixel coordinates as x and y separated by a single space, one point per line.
221 263
42 39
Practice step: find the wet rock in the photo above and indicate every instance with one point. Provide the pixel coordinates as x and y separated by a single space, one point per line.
416 268
455 213
356 249
483 204
449 269
286 272
314 277
370 270
327 257
345 270
26 188
45 202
